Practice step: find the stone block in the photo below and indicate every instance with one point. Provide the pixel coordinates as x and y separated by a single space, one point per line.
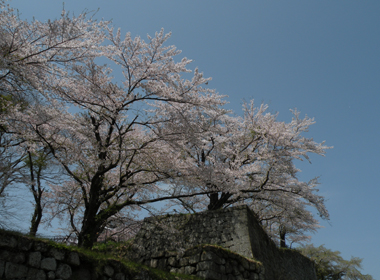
231 277
57 254
5 255
181 270
25 244
8 241
14 271
2 267
161 263
172 261
49 264
222 269
228 268
253 266
173 270
34 259
194 259
120 276
81 274
211 256
189 270
17 258
210 275
253 276
36 274
239 277
157 253
183 261
153 263
74 259
64 271
143 275
108 270
51 275
40 246
207 265
245 264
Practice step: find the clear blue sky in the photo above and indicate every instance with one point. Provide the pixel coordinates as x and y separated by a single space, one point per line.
321 57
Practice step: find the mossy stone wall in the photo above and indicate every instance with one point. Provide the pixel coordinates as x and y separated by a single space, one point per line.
234 228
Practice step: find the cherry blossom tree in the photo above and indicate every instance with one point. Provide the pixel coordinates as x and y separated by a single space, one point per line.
31 50
250 160
29 53
115 148
38 170
287 221
153 136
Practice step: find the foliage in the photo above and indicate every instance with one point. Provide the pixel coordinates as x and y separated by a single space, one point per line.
331 266
250 160
153 136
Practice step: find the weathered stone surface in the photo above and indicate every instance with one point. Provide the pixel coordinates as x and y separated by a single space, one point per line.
25 244
166 249
207 265
17 257
172 261
49 264
210 274
63 271
8 241
143 275
40 246
108 270
189 270
153 263
120 276
81 274
57 254
206 256
233 228
51 275
4 255
36 274
34 259
13 271
2 267
74 259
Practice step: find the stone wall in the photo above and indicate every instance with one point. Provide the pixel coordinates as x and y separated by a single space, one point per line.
235 229
209 262
177 243
24 258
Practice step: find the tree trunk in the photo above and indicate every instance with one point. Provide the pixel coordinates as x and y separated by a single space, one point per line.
88 237
36 219
37 194
217 202
282 239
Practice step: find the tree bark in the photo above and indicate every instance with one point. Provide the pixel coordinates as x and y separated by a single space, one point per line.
282 239
217 202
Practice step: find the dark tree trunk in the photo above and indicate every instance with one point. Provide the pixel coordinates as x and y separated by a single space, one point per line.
94 219
37 191
282 239
36 219
217 202
88 234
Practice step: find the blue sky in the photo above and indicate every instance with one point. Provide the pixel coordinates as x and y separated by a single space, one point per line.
321 57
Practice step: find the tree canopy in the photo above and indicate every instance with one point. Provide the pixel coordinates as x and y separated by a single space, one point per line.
157 134
331 266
